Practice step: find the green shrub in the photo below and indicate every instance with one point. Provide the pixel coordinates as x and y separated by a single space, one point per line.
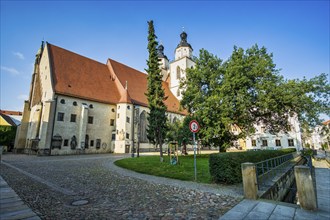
226 167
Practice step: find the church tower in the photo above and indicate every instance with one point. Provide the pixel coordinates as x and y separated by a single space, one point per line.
182 61
163 62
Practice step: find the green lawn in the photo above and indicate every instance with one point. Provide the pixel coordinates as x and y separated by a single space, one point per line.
182 171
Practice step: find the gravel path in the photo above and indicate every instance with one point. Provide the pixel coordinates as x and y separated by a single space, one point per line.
49 185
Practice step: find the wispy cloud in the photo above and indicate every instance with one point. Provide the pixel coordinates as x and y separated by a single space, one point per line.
10 70
19 55
22 97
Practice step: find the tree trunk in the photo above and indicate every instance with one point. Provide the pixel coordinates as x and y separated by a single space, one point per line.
161 148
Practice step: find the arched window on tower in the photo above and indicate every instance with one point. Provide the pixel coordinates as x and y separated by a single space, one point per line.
178 73
143 127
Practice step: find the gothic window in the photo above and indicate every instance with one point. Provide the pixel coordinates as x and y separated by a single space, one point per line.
178 72
143 127
98 143
60 116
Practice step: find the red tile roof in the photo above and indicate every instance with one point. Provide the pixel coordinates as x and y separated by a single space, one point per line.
78 76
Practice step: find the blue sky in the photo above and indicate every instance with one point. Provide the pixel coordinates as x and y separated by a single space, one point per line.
296 32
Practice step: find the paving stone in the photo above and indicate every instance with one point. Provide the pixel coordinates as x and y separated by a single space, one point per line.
264 207
112 192
284 211
253 215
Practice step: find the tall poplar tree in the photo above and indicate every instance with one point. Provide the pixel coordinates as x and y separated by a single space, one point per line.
156 131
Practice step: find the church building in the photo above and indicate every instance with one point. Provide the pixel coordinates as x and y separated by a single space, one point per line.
78 105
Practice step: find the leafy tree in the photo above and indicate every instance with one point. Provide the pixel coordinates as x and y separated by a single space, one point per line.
246 90
179 131
156 96
7 135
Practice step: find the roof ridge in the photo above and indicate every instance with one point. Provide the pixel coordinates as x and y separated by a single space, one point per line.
69 51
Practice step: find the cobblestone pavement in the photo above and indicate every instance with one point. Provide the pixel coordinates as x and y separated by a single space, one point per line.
57 188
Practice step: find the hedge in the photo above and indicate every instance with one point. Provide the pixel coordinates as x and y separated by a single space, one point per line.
226 167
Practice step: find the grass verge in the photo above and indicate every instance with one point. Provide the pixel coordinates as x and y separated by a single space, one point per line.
184 170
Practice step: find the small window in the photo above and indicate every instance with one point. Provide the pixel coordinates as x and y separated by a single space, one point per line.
178 93
73 118
91 106
60 116
289 128
129 107
128 120
290 142
278 143
263 129
74 103
66 142
254 143
127 135
113 137
90 119
92 143
113 110
118 115
117 132
112 122
62 101
264 143
118 106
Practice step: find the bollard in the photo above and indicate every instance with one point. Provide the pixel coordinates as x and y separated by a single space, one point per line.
250 185
305 188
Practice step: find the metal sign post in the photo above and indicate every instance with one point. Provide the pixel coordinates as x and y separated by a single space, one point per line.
194 127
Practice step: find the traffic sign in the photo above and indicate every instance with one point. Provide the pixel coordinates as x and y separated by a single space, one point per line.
194 126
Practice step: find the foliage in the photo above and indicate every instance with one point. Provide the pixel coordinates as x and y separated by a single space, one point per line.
324 146
7 135
183 171
246 90
226 167
155 94
307 152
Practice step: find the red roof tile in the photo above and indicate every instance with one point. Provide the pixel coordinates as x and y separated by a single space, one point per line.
78 76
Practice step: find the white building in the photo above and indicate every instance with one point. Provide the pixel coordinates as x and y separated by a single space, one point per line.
80 105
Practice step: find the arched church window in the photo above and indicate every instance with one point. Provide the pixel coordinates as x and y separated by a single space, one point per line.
143 127
178 72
